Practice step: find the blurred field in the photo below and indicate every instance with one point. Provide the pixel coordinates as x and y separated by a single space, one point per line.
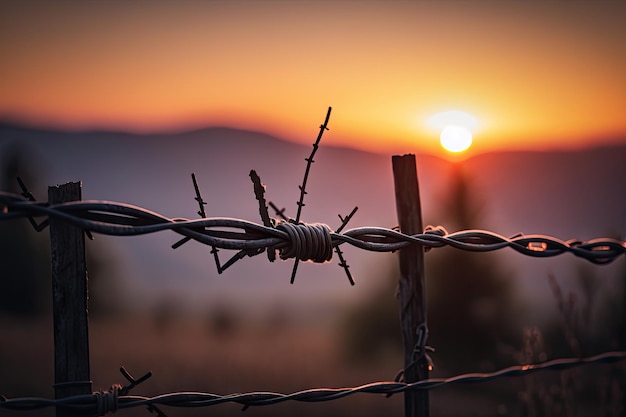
194 355
225 357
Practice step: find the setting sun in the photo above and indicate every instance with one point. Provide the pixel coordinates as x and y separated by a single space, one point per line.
456 129
455 138
559 85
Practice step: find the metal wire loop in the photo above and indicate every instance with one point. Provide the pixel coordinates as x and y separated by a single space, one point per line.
307 242
106 401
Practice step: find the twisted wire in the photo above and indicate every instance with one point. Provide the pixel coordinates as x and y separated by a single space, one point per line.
301 241
308 242
107 401
199 399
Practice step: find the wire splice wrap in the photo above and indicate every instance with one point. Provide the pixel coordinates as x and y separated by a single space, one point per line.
308 242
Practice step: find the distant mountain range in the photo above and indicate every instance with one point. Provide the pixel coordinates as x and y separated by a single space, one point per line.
566 194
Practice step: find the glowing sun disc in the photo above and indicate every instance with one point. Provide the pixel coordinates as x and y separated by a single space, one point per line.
455 138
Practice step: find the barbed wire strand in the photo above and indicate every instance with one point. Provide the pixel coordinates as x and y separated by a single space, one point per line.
201 399
111 218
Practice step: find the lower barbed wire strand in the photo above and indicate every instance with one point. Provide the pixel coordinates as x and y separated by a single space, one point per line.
200 399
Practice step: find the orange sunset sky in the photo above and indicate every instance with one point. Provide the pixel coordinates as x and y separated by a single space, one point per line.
536 75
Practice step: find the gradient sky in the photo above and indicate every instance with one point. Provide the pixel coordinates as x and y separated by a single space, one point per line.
536 75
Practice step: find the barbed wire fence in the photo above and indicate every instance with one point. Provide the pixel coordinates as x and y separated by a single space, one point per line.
118 398
305 242
287 238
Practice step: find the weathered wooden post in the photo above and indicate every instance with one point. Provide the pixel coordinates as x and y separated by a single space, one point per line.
69 301
411 284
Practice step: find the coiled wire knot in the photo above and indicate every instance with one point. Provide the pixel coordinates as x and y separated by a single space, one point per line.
107 400
307 242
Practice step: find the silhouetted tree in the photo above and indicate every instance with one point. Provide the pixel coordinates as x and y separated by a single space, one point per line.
472 310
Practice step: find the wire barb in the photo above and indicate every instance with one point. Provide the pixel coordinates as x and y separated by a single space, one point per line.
279 212
214 251
259 193
310 161
342 261
30 197
133 383
201 213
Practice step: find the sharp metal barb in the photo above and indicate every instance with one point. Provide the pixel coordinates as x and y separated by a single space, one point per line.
133 383
342 261
345 220
154 409
259 193
238 256
344 264
279 212
181 242
201 212
294 270
201 202
28 195
309 160
216 258
25 192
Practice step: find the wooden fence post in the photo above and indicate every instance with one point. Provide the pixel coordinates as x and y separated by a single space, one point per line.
411 283
69 301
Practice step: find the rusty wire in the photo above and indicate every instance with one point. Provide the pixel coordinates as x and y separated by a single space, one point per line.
92 403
